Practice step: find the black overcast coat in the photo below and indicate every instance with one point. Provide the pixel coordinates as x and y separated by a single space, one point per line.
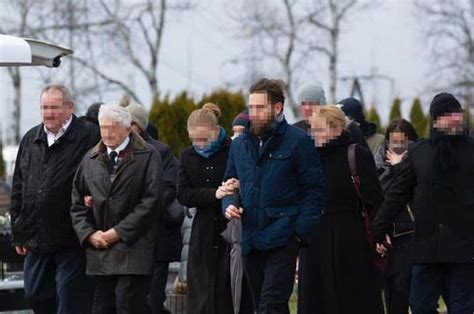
337 274
168 235
42 183
208 272
443 207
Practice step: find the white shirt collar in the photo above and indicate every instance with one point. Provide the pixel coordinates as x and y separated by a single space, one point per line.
119 148
52 138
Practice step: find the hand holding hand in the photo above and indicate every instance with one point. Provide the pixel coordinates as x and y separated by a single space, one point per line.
222 192
232 212
97 240
111 236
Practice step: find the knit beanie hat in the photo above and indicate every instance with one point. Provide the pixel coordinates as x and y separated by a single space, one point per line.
353 109
241 119
139 115
442 104
312 93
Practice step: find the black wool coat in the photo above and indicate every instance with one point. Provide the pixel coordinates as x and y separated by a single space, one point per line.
336 273
42 184
208 272
168 233
443 203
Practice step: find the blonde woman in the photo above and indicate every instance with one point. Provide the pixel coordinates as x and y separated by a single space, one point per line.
337 273
201 173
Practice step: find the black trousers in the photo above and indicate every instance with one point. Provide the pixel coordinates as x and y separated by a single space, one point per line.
271 275
122 294
57 283
398 275
157 294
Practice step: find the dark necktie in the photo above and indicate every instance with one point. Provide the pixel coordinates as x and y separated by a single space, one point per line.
112 159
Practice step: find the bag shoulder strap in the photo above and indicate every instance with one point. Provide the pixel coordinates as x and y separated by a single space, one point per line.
356 182
352 159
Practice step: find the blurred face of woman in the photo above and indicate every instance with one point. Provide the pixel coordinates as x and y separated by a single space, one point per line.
201 136
323 133
398 142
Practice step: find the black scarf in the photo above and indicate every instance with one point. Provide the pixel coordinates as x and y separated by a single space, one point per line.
444 159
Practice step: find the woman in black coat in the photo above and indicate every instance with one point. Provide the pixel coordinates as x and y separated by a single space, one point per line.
398 273
201 172
336 271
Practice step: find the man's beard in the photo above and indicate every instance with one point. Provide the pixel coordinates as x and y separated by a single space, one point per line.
260 130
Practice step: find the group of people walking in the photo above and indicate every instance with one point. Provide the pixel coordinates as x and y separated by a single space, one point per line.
95 207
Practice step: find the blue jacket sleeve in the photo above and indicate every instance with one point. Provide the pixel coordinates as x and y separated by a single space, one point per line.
311 181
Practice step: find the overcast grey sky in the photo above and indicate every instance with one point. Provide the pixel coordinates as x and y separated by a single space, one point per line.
198 46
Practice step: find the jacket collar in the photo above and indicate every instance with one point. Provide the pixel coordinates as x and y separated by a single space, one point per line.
274 139
69 135
137 144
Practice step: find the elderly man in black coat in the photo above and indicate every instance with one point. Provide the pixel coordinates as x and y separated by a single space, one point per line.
122 175
437 176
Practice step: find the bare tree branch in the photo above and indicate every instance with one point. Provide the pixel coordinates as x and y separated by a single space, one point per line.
108 78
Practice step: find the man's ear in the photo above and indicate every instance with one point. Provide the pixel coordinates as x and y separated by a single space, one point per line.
279 107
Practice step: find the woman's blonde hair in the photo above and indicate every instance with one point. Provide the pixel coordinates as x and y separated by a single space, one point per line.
332 115
208 115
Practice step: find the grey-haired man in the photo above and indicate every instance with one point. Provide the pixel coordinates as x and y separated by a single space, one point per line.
122 175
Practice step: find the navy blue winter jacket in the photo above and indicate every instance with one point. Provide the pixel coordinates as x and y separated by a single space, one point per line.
281 186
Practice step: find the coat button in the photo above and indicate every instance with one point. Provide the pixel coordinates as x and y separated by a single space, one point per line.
39 191
208 180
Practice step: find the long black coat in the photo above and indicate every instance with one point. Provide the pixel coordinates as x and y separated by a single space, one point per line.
168 234
129 204
42 184
444 214
403 224
336 272
208 273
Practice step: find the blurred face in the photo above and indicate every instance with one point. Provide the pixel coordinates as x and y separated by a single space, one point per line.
307 109
54 111
451 123
201 136
238 130
261 111
398 142
113 133
322 133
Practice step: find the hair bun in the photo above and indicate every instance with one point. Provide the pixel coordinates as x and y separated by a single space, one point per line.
212 108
